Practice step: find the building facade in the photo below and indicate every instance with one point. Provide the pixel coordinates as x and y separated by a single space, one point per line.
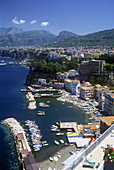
92 66
72 86
58 85
109 102
86 92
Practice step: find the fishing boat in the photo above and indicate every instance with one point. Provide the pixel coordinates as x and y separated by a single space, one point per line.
59 134
61 141
55 130
45 144
41 113
56 142
43 105
57 123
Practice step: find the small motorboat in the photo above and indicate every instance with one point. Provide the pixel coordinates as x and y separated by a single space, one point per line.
59 134
41 113
62 141
50 158
56 142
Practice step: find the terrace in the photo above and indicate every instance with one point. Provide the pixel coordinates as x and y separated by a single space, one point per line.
94 153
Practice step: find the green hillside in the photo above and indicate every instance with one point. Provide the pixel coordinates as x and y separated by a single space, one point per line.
32 38
104 38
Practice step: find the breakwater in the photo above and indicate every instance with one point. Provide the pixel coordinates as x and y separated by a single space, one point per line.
23 148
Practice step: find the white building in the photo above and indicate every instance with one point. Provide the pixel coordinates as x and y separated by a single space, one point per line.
72 86
72 73
41 81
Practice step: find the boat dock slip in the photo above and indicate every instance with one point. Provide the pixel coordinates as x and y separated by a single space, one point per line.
23 148
67 125
38 89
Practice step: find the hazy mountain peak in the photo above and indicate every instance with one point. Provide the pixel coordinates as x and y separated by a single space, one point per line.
11 30
65 34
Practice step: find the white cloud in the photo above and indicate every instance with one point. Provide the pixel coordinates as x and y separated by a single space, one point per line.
16 21
33 22
22 21
44 24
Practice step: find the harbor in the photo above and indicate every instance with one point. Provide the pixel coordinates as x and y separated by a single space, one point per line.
57 112
23 148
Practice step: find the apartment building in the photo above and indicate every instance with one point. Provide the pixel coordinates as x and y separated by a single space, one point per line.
105 123
109 102
101 97
92 66
96 90
72 86
86 92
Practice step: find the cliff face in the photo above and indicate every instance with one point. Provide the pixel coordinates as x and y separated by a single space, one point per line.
32 77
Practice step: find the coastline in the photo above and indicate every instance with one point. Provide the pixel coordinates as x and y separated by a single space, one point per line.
67 97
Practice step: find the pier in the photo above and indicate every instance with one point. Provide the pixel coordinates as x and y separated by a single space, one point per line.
25 156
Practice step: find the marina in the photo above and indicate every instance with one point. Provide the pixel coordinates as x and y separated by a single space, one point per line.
35 134
23 148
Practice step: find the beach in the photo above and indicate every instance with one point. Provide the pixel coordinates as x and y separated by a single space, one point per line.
64 153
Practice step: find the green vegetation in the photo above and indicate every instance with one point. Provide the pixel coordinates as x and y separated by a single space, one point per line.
109 59
109 154
53 66
102 38
21 54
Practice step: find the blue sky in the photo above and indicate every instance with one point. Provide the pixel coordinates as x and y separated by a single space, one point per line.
78 16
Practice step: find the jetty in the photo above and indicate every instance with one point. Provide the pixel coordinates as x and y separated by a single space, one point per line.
31 100
25 157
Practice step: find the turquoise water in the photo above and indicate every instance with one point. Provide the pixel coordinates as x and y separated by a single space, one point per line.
13 104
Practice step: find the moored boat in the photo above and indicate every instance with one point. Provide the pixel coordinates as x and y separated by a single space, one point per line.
45 144
62 141
43 105
59 134
41 113
56 142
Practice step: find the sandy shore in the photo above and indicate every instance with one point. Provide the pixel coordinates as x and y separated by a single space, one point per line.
65 153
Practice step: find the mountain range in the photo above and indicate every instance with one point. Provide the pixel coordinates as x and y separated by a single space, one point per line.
101 38
17 37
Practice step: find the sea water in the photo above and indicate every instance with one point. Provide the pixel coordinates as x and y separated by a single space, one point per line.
13 103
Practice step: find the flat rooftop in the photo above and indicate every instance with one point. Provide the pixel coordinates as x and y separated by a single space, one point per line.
97 154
